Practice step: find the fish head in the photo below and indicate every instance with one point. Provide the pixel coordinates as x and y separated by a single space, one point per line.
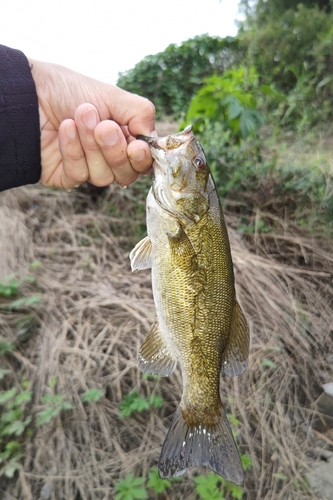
181 174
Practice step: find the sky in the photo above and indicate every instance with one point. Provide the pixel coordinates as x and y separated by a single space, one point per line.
101 38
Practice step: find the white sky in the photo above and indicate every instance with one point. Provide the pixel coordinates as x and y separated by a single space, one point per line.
100 38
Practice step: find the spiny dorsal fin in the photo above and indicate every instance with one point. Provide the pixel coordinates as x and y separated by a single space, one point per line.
154 356
141 255
235 356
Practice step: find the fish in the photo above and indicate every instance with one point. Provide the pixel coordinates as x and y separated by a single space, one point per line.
199 324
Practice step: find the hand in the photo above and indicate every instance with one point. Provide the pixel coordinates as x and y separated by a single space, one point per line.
88 129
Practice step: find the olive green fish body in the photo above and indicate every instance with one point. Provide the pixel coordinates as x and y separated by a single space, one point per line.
199 323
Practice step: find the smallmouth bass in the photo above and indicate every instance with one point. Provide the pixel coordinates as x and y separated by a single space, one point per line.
199 322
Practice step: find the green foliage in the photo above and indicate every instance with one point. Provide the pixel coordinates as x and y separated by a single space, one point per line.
132 402
229 99
170 78
131 488
268 363
13 424
208 487
10 287
213 487
293 50
54 405
300 184
92 395
156 483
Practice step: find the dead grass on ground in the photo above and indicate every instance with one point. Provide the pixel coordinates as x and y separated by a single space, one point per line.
95 314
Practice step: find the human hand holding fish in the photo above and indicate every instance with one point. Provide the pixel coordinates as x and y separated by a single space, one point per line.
88 129
199 321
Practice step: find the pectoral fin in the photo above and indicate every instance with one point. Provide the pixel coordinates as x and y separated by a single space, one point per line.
141 255
235 356
154 356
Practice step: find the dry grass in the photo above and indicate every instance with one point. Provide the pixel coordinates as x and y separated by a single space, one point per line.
94 315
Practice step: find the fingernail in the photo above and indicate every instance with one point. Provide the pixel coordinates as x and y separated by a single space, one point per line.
138 155
110 137
71 131
90 119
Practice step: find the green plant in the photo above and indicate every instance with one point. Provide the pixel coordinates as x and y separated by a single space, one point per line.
132 402
92 395
229 99
131 488
13 426
10 287
54 405
170 78
156 483
289 43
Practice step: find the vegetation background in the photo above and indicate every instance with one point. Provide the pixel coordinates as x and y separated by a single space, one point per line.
77 419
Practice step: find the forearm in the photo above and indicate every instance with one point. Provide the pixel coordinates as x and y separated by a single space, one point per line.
20 154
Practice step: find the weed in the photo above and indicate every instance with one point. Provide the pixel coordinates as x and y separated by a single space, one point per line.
131 488
10 287
13 425
156 483
132 402
92 395
55 404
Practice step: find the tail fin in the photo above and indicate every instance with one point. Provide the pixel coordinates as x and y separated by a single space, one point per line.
186 447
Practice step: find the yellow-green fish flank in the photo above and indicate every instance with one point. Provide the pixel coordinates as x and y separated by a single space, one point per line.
199 322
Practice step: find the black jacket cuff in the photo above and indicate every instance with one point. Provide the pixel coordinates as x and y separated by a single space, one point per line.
20 157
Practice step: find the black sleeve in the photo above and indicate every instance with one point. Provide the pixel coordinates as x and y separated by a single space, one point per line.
20 161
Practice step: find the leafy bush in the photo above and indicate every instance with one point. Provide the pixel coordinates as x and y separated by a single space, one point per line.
170 78
293 50
229 99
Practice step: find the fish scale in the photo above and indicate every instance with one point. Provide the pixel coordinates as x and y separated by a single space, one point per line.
199 322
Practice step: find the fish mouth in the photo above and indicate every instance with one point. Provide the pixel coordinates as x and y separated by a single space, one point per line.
172 141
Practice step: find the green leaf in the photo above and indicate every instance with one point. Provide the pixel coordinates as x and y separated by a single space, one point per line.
92 395
15 428
156 483
236 491
35 264
208 487
45 416
268 363
246 461
53 382
132 402
6 347
23 397
25 302
10 468
131 488
6 396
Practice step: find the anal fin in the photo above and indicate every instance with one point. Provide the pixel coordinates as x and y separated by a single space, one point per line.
235 356
154 355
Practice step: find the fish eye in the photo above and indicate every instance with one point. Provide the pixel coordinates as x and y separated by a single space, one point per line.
199 162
